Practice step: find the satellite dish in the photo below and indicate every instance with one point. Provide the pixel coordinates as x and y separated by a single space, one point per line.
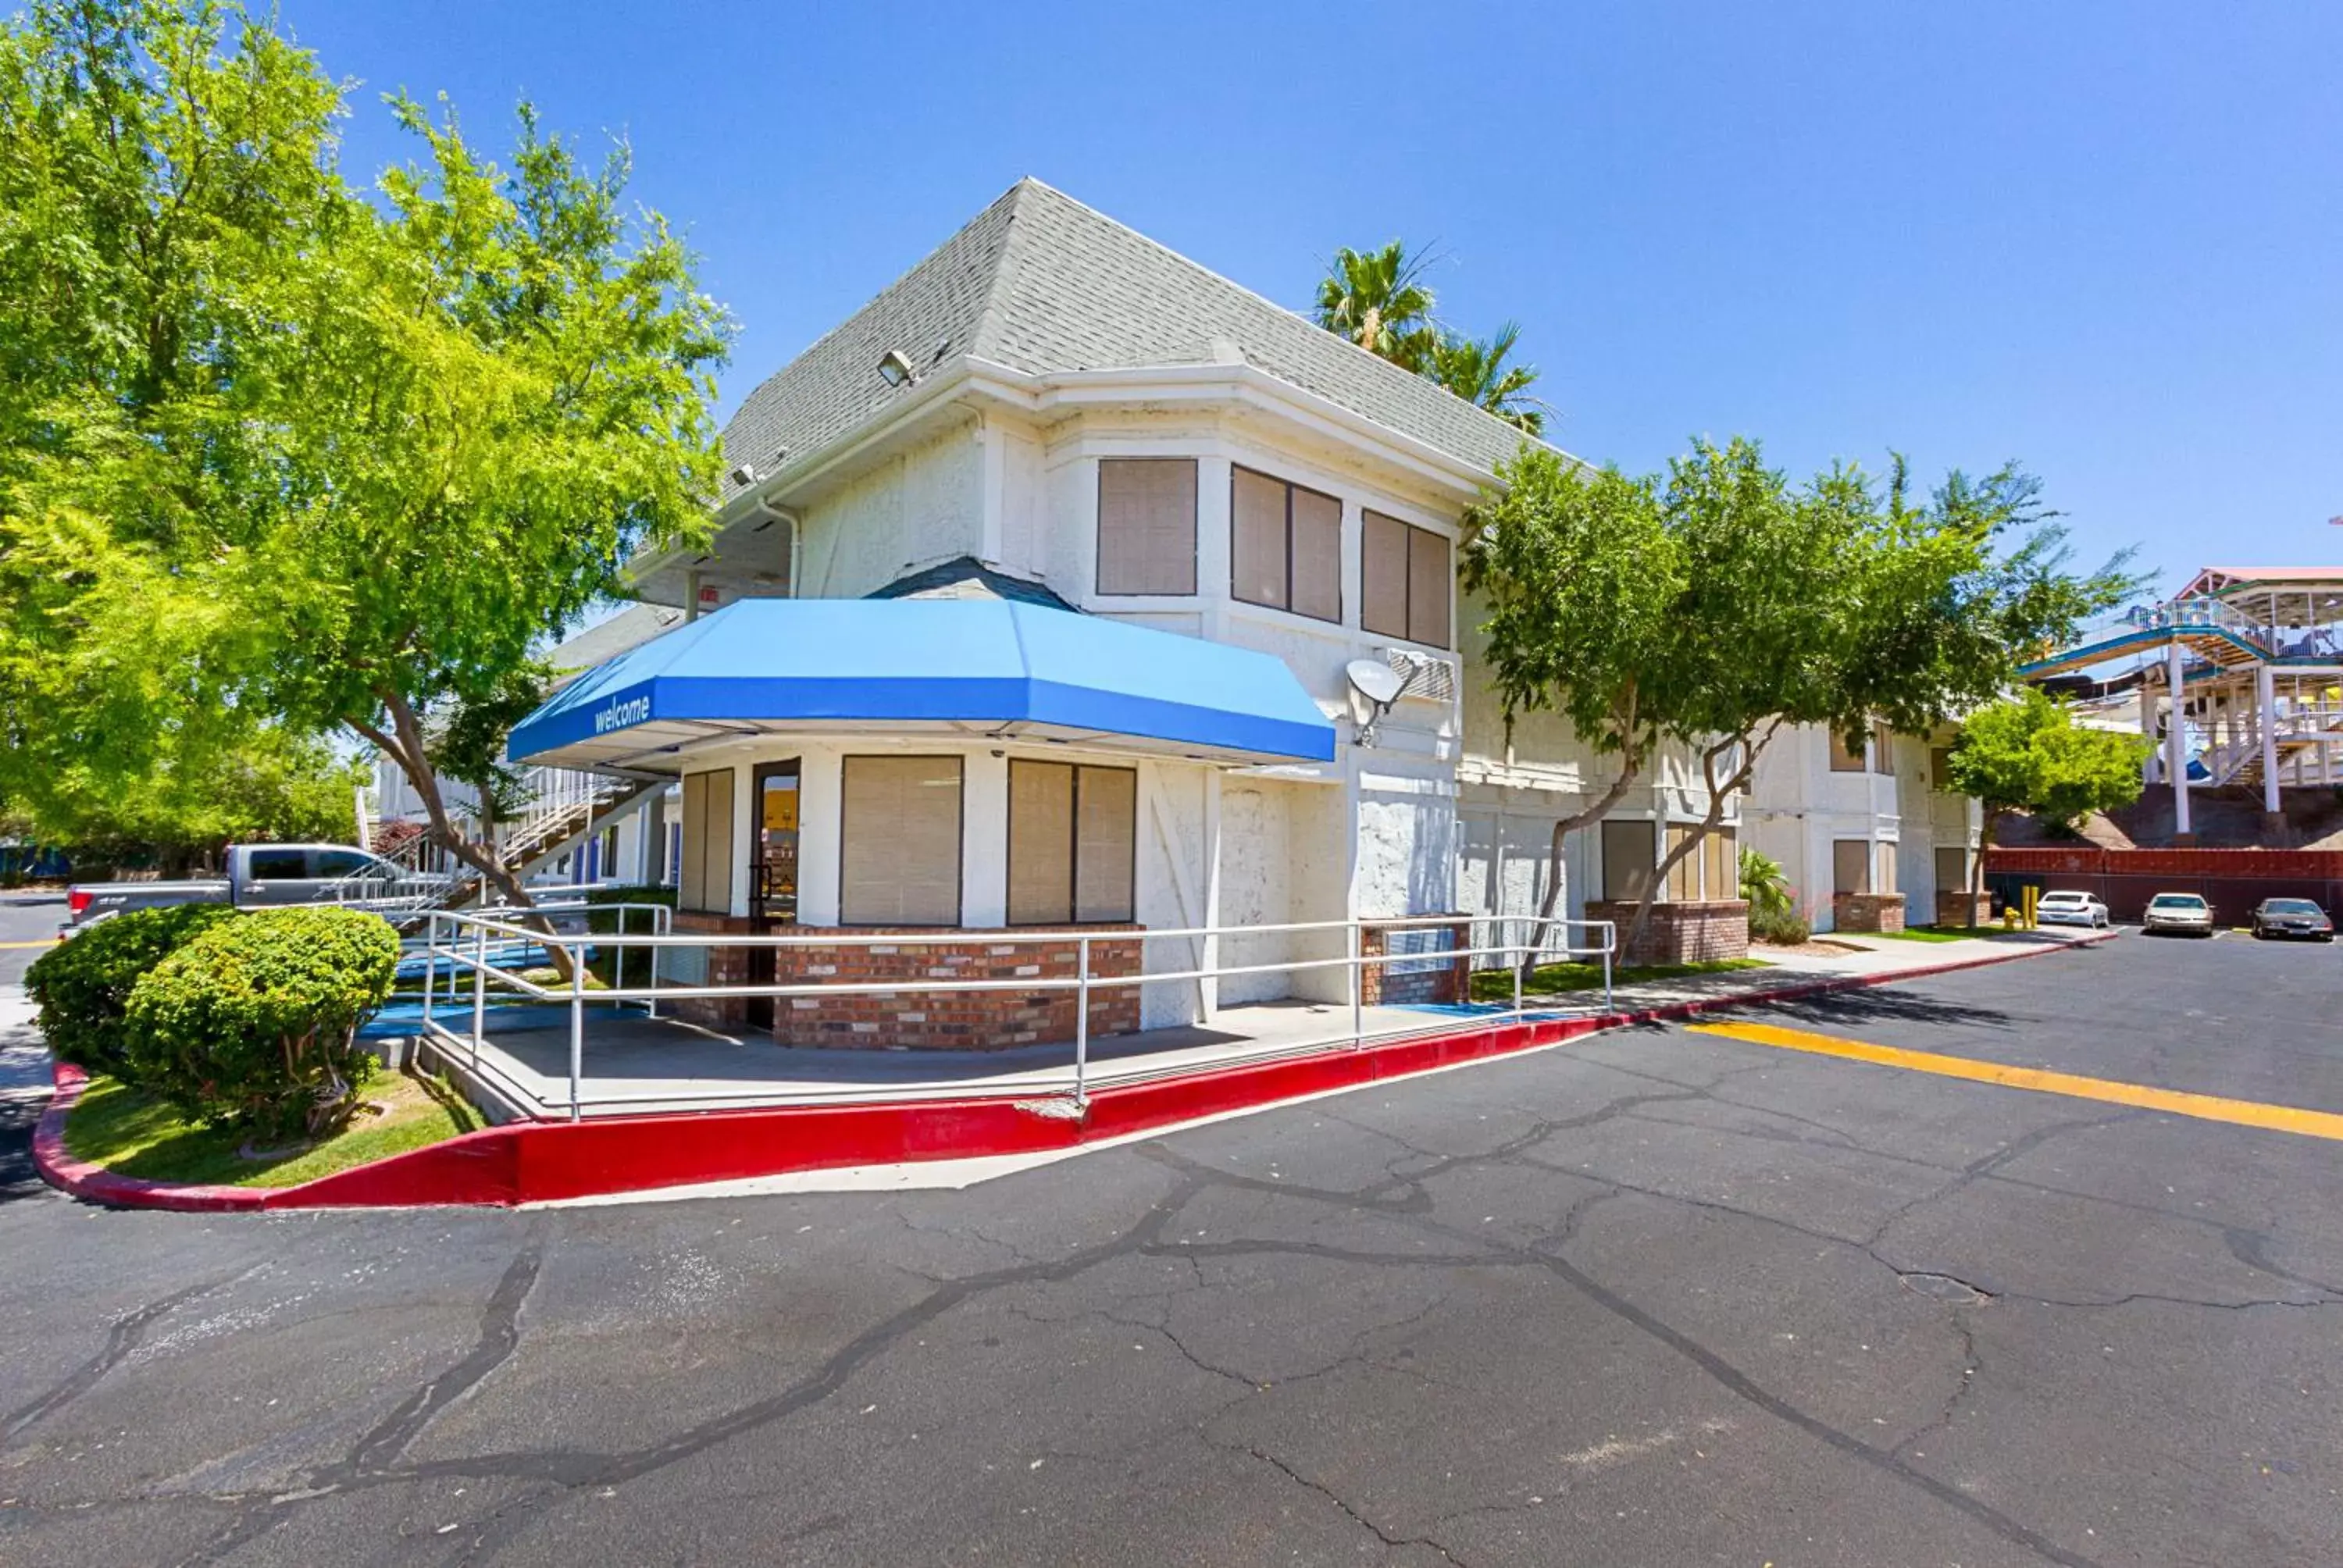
1374 687
1376 681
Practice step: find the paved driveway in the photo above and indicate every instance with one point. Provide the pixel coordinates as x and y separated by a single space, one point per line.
1657 1298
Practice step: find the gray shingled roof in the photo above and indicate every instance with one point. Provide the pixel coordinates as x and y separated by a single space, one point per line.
1041 283
965 577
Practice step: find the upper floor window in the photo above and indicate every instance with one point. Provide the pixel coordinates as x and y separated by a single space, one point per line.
1147 525
1883 748
1404 580
1844 759
1285 545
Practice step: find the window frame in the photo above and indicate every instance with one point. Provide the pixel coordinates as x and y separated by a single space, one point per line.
1342 604
1368 516
1644 870
959 840
1073 841
1195 526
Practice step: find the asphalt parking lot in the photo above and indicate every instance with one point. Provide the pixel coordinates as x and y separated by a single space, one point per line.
1660 1297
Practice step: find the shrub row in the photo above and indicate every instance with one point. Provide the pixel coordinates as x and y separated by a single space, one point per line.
238 1020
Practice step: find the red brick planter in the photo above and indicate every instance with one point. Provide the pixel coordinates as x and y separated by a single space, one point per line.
1878 914
1682 931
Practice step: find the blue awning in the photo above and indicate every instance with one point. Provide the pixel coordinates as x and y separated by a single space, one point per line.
972 666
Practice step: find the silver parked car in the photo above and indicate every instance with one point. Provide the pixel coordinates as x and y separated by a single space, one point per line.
2069 908
2183 914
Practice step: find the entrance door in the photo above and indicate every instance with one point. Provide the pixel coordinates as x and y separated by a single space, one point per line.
772 874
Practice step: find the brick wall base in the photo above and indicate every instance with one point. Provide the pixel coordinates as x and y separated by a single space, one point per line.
1682 931
1878 914
1433 979
1954 910
951 1020
726 966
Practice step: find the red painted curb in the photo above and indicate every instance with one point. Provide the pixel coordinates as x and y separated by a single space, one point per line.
524 1162
98 1184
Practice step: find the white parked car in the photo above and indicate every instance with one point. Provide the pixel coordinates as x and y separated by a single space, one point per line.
2183 914
2069 908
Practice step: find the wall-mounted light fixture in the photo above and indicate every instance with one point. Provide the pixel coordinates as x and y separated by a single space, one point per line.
896 370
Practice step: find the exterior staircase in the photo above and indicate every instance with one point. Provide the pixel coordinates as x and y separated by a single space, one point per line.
565 809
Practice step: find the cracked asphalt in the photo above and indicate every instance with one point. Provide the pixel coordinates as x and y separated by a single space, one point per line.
1654 1298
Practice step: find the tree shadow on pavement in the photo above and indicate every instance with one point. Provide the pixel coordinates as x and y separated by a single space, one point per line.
1884 1004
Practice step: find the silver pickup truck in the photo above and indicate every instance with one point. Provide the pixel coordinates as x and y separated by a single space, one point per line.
263 876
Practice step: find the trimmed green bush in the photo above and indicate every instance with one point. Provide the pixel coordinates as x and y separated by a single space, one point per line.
83 985
255 1023
1785 927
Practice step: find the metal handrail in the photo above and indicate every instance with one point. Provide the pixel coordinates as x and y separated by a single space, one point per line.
480 926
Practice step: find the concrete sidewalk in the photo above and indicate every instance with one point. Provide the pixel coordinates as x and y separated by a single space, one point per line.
1878 958
635 1065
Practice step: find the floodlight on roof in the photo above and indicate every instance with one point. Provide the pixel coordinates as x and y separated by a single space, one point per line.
895 370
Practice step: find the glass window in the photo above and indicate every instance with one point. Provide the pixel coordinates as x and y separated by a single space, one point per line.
1883 749
1851 866
1684 876
1285 545
1952 870
1072 837
1883 878
1405 581
1721 862
898 853
1842 759
278 865
1147 525
1940 767
343 862
1627 859
706 857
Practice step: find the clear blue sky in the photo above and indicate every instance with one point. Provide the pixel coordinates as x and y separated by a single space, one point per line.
2104 238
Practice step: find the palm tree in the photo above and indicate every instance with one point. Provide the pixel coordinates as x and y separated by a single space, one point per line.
1378 300
1475 371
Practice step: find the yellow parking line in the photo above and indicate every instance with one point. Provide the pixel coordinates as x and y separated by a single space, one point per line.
44 942
2204 1107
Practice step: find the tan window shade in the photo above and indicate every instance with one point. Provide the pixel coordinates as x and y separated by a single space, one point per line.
1106 845
1073 833
1882 879
1429 582
1883 749
1842 760
690 882
898 860
706 880
1627 859
1850 865
1722 854
1940 767
1041 844
1952 870
1384 574
1257 564
1317 554
1684 876
1147 525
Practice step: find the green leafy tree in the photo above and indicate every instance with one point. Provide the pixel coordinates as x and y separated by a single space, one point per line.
1475 369
290 452
1706 608
2026 753
1378 299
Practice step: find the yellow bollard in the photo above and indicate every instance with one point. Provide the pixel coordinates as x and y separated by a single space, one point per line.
2032 897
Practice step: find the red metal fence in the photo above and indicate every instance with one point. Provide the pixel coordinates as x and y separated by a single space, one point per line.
2232 880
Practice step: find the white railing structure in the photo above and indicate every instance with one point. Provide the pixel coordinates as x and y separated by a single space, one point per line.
561 802
468 941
